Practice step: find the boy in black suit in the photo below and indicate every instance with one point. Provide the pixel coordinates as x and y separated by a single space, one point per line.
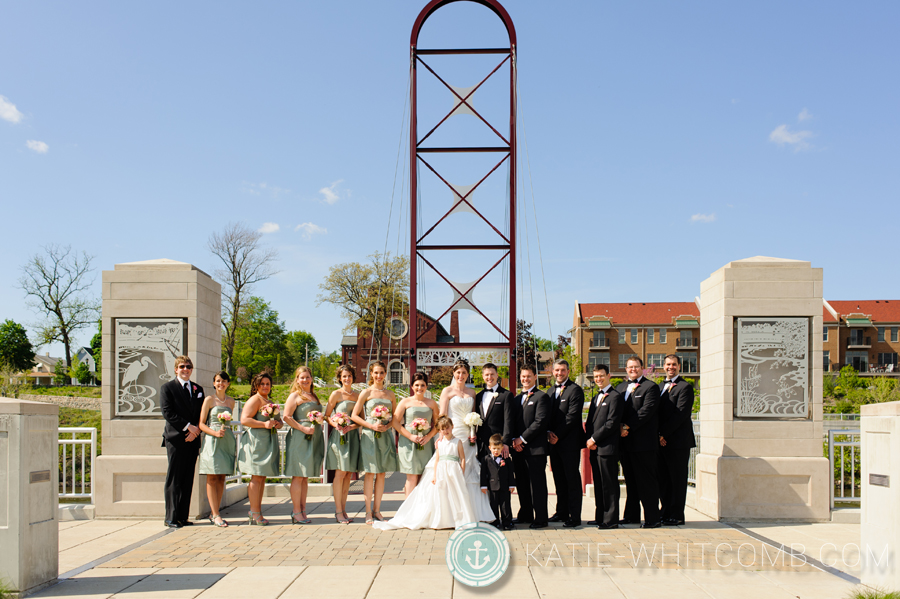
498 480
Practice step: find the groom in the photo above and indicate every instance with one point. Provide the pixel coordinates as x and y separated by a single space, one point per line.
494 404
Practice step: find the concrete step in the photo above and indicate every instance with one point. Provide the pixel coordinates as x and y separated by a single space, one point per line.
75 511
846 515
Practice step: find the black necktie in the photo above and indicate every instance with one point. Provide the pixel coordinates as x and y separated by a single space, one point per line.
187 389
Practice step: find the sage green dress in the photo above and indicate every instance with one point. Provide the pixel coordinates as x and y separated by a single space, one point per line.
377 455
343 457
218 455
413 460
260 454
302 456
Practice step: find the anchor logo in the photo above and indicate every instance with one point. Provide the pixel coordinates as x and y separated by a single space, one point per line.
478 549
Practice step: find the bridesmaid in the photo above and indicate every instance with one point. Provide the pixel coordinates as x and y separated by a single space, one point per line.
218 453
260 454
304 447
415 450
377 452
342 458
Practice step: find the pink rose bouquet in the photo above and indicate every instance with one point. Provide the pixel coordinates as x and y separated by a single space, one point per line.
420 426
382 415
341 420
315 418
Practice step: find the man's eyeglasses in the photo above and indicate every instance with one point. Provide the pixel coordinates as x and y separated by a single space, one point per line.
186 366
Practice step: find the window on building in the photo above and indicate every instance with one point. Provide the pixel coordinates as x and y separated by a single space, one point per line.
857 337
859 360
396 373
825 334
688 362
662 335
887 359
826 361
597 358
623 360
599 339
622 335
650 335
634 335
894 334
880 334
656 360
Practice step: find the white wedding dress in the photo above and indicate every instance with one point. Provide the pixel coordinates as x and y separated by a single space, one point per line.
456 499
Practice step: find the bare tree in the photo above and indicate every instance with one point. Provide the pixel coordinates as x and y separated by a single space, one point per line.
368 294
56 285
245 263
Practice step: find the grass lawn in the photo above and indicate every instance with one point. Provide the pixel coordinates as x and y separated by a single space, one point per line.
65 391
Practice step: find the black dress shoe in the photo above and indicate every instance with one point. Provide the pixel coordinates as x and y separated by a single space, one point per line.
556 518
571 524
605 526
521 521
495 523
592 523
627 521
509 527
654 525
537 525
172 524
672 522
186 523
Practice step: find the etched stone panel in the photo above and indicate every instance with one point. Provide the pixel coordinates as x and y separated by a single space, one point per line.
145 354
448 357
772 367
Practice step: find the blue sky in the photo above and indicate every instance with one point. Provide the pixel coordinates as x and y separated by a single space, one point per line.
665 139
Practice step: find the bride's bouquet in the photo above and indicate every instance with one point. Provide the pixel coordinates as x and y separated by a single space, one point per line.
315 418
382 415
472 420
420 426
341 420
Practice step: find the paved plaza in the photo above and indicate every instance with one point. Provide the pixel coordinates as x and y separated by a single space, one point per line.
129 558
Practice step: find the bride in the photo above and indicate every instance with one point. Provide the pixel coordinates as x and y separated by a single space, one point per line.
419 509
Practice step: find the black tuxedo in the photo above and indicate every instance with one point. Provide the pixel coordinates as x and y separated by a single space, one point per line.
180 408
498 479
603 426
530 422
565 454
639 451
496 420
676 427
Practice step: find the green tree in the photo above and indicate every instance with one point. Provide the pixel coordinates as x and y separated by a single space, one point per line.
369 295
298 342
279 373
60 373
261 338
525 345
543 344
575 365
325 366
57 285
16 350
97 349
82 373
10 384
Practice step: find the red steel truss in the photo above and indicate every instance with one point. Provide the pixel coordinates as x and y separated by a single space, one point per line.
506 147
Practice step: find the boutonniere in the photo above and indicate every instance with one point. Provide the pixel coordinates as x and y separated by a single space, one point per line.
492 395
632 387
530 393
502 462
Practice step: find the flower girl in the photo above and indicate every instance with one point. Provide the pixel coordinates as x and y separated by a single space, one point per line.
442 500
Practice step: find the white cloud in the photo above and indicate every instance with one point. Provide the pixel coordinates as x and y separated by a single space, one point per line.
260 188
797 139
330 194
8 111
268 228
703 218
38 146
310 229
804 115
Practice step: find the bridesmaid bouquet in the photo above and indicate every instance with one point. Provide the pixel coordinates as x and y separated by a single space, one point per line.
420 426
271 411
224 418
315 418
472 420
382 415
341 420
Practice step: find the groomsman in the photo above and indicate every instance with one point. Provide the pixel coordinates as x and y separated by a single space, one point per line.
603 430
180 401
566 437
640 445
676 438
531 415
495 404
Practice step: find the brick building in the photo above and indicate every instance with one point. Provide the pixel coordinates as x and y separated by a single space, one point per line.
864 334
359 350
611 333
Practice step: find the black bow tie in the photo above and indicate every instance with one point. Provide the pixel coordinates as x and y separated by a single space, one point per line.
558 385
636 381
671 381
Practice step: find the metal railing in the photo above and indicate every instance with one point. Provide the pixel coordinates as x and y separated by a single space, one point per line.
75 480
844 461
692 462
686 342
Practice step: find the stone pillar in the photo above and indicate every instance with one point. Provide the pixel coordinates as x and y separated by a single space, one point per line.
29 494
761 408
153 311
879 521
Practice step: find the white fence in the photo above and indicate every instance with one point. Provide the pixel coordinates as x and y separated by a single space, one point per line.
75 480
844 461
